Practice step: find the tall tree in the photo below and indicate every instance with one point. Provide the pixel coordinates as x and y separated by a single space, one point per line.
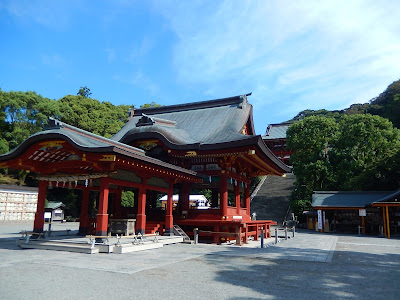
351 153
84 92
310 140
149 105
364 142
102 118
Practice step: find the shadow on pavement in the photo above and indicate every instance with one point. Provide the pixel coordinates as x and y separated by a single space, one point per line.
351 274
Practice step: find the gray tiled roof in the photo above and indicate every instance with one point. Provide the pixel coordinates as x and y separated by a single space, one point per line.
276 131
198 123
87 141
346 199
392 197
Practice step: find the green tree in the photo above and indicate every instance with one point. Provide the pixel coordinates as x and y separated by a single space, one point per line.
310 140
102 118
24 113
84 92
127 199
149 105
364 142
355 152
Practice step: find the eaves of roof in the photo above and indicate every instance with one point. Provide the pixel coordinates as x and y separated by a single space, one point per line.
88 142
393 197
331 199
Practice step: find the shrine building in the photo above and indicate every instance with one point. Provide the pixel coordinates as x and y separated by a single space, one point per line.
160 151
275 139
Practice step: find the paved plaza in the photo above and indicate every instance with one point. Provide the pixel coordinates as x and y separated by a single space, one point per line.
308 266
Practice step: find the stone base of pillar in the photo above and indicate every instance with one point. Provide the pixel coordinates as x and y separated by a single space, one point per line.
83 231
169 232
101 233
141 231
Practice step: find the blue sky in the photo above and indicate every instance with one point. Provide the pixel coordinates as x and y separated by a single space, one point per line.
292 55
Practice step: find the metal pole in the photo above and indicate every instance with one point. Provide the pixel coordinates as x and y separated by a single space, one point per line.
262 238
196 235
276 235
294 230
285 233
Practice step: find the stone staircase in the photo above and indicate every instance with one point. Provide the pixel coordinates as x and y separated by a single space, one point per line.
272 200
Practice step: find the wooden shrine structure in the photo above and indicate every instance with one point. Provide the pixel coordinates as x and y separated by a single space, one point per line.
275 139
370 211
165 150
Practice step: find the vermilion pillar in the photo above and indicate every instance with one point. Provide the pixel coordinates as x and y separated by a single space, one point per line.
102 216
169 219
237 198
223 185
141 213
39 216
247 198
84 217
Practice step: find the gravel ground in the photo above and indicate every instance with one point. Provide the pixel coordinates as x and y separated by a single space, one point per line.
309 266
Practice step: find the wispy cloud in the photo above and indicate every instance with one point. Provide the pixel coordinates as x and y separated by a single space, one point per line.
55 14
54 60
111 54
140 80
139 51
312 54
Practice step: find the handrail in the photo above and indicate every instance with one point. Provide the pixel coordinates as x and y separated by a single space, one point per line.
254 193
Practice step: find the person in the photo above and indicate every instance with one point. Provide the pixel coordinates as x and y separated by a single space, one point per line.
253 216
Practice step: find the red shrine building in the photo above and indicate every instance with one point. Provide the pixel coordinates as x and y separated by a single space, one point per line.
275 139
160 151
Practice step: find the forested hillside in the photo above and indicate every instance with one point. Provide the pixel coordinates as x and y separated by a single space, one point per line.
357 148
386 105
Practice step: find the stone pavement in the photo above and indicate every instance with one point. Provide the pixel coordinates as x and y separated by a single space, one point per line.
309 266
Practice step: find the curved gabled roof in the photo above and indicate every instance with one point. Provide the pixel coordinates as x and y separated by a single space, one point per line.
206 122
207 125
88 142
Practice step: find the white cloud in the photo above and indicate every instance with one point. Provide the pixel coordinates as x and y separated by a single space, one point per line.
139 80
313 54
111 55
54 14
139 51
54 60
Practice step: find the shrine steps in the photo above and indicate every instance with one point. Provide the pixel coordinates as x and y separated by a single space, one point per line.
272 200
58 246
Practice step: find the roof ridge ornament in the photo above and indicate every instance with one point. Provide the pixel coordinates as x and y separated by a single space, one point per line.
52 124
146 120
244 102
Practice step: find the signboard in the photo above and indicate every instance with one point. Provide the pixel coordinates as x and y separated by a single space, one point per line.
319 219
237 218
362 212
